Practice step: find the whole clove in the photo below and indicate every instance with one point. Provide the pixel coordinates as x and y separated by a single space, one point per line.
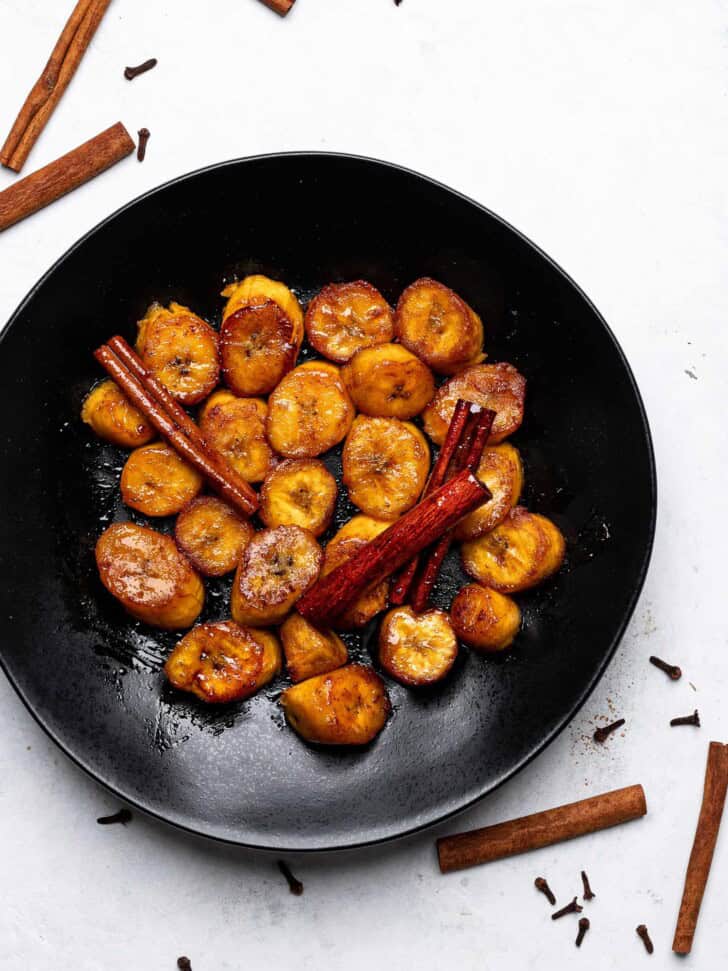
693 719
184 964
123 816
144 135
671 670
294 885
133 72
642 933
603 733
583 928
588 892
541 884
571 908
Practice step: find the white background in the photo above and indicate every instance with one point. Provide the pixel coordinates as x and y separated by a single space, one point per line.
600 129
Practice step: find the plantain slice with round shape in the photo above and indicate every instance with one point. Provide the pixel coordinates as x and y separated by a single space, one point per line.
299 492
114 418
149 576
484 619
257 348
354 534
212 535
348 706
309 412
501 471
417 649
157 482
310 651
180 349
523 550
235 428
278 567
385 465
256 289
345 317
438 326
499 387
388 381
223 662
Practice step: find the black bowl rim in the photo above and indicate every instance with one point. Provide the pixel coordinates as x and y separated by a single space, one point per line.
569 716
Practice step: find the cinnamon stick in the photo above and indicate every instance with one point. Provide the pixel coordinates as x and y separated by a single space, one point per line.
701 855
331 595
50 183
541 829
281 7
50 86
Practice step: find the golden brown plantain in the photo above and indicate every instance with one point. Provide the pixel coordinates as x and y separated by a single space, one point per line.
417 649
438 326
157 482
388 381
257 289
499 387
342 546
299 492
385 465
310 651
501 471
223 662
114 418
146 572
235 427
257 348
519 553
212 535
485 619
278 566
344 317
180 349
309 412
348 706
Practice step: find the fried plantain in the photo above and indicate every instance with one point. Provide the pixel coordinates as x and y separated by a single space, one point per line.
157 482
235 427
299 492
309 412
256 289
345 317
310 651
388 381
385 465
348 706
257 348
499 387
342 546
146 572
278 566
114 418
212 535
417 649
485 619
181 351
501 471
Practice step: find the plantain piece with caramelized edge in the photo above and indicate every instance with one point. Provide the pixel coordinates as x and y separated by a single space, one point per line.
523 550
499 387
501 471
417 649
235 428
157 482
180 349
309 412
223 662
278 567
149 576
348 706
299 492
310 651
212 535
484 619
385 465
438 326
257 348
342 546
114 418
256 289
388 381
345 317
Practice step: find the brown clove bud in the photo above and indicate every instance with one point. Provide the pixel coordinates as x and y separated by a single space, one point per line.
671 670
123 817
184 964
583 928
588 892
541 884
294 885
572 908
133 72
693 719
602 734
642 933
144 136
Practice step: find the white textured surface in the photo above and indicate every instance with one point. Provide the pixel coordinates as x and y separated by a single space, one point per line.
601 130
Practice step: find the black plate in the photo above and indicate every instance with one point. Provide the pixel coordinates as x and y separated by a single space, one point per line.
92 677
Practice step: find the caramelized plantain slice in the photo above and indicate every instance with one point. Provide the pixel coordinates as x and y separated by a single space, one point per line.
114 418
146 572
385 465
235 427
519 553
438 326
388 381
212 535
499 387
278 567
309 412
485 619
347 541
157 482
299 492
501 471
256 289
181 351
256 348
344 317
222 662
310 651
417 649
348 706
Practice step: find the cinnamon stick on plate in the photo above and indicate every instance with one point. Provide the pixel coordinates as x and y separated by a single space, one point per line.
50 86
281 7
